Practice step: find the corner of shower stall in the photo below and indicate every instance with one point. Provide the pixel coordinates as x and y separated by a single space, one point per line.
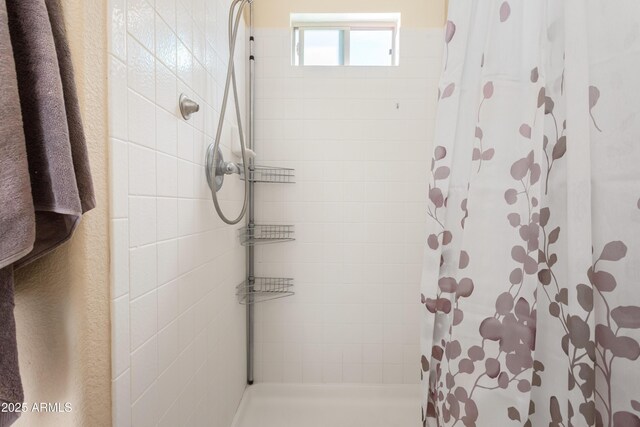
178 332
343 348
335 223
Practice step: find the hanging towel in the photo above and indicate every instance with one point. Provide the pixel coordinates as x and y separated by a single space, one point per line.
47 187
10 384
16 207
17 217
61 183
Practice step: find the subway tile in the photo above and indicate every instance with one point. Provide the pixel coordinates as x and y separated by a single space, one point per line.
184 24
118 98
172 417
184 63
185 141
143 264
167 261
166 92
121 399
119 268
142 171
165 44
352 373
140 22
167 11
141 120
168 383
167 218
167 126
144 368
168 346
185 179
272 372
167 175
143 318
117 28
293 373
372 373
312 373
141 70
120 334
392 374
332 373
142 220
119 172
167 303
144 412
199 40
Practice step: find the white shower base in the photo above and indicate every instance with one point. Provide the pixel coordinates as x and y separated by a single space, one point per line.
298 405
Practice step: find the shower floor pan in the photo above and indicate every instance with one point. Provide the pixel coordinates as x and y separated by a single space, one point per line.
296 405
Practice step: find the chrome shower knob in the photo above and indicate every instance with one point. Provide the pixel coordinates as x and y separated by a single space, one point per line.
188 106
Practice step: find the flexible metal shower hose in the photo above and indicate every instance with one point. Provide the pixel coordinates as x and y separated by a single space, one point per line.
212 150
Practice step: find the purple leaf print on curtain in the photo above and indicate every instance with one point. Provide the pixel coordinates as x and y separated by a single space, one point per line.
594 97
450 31
535 75
448 90
479 153
505 11
626 317
525 130
531 285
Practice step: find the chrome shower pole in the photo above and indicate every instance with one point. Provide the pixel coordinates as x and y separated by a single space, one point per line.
251 212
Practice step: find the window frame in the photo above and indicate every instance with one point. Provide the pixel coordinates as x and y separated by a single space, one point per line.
297 49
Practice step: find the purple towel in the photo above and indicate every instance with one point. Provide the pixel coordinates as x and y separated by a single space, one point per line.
17 229
17 217
61 183
46 181
10 384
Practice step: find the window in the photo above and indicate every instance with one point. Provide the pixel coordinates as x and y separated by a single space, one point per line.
351 40
322 46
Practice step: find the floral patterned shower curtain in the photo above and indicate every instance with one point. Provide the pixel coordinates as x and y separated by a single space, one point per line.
531 282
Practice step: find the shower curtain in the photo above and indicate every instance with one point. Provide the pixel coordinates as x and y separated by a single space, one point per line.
531 282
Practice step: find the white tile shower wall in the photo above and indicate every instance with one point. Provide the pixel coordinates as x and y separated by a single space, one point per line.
360 140
178 331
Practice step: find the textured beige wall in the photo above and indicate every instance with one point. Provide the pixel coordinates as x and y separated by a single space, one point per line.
415 13
62 302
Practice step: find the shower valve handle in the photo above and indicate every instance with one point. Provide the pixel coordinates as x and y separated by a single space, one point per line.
230 168
217 168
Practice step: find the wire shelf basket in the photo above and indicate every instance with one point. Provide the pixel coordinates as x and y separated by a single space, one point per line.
270 175
260 289
266 234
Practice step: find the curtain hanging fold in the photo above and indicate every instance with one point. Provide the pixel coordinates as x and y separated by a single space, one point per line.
531 280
